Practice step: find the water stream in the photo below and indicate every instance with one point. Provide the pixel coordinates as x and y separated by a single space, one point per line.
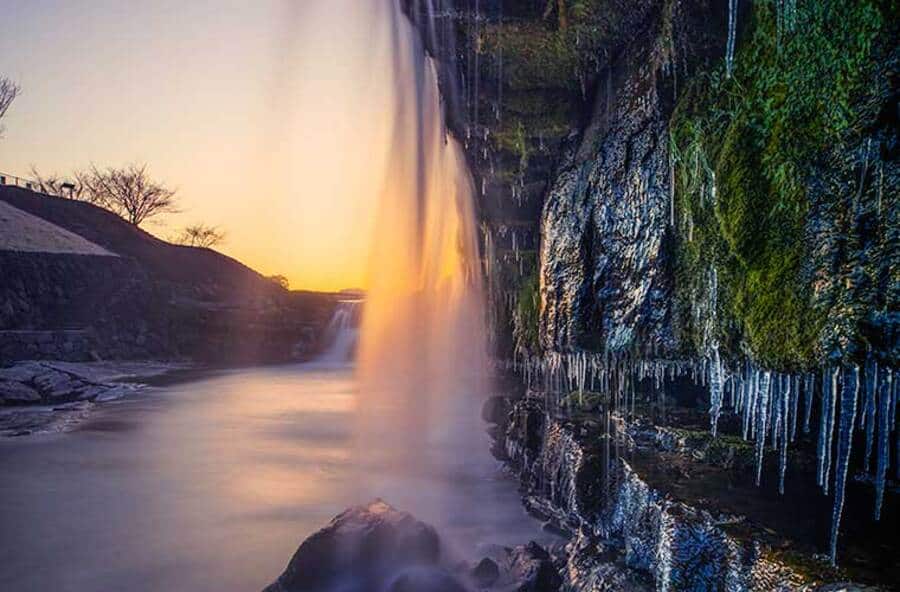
212 485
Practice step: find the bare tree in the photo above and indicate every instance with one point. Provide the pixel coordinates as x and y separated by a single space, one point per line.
54 184
9 90
200 235
129 192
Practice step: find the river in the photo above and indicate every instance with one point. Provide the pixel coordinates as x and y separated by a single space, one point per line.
210 485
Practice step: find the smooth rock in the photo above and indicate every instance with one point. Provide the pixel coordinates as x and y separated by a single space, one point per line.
17 393
495 410
362 550
486 572
422 579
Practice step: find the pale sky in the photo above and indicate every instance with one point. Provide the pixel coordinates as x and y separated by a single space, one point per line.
269 117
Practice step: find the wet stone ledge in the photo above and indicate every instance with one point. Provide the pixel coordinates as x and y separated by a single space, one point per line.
609 484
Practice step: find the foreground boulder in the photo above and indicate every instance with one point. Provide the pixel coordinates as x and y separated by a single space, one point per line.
370 548
376 548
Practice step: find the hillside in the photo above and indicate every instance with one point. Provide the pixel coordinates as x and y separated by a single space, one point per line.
21 231
64 297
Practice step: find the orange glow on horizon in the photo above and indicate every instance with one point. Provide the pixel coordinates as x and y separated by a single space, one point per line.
270 120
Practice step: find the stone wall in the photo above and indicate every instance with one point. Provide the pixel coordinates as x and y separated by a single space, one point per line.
72 345
78 307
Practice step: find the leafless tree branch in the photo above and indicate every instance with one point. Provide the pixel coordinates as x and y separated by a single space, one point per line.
129 192
200 235
9 90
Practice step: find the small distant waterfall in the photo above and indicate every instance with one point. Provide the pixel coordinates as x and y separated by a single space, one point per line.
342 333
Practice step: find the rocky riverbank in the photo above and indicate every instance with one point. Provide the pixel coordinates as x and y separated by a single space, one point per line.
42 396
657 508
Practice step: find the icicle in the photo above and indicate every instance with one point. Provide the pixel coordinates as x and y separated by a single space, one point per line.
795 404
829 434
782 467
762 413
844 447
732 37
823 426
777 394
750 414
715 390
882 455
896 403
868 414
809 388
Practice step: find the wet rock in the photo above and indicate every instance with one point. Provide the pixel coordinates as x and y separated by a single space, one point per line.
420 579
845 587
363 550
59 386
604 262
649 539
531 567
22 372
17 393
495 410
38 382
486 572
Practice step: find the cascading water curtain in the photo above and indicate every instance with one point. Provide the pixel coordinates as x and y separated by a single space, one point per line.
422 343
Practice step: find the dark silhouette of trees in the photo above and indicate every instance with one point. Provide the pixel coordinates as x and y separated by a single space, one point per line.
9 90
200 235
127 191
54 184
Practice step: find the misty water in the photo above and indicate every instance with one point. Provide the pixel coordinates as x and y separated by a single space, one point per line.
212 485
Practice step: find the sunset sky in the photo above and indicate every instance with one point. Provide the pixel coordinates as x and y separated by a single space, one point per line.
268 117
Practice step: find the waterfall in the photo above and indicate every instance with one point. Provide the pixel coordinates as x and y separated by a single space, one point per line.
342 333
422 354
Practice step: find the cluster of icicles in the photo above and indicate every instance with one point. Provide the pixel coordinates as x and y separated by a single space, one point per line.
774 407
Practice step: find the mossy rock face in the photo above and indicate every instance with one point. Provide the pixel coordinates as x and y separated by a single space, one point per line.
746 150
527 315
535 57
584 401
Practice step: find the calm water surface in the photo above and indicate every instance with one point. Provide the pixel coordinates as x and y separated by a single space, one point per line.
212 484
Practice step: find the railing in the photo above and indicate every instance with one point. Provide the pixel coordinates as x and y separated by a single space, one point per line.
7 180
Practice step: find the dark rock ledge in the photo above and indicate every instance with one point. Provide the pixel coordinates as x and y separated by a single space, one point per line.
592 478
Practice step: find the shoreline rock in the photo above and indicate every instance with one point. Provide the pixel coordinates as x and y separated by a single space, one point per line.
377 548
41 396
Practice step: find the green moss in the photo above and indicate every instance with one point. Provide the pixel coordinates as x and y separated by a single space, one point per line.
807 568
584 401
540 113
751 137
534 56
553 53
726 451
528 310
